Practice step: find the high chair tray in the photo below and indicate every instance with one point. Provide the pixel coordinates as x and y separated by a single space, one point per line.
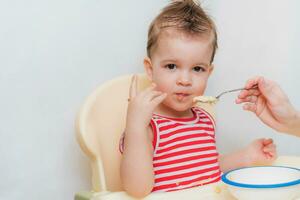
215 191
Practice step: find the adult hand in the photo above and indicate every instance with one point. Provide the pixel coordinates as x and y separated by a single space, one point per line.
271 105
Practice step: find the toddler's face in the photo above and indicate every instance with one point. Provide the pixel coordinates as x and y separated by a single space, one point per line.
180 66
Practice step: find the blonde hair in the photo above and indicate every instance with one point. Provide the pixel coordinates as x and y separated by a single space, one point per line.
183 15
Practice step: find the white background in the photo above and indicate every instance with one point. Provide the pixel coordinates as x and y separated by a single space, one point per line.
53 53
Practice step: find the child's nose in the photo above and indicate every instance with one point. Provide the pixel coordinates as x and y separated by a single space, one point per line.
184 79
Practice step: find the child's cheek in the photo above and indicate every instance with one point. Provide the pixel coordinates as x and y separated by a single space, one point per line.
201 88
159 85
163 88
200 92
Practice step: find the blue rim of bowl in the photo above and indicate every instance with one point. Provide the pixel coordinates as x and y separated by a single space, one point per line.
243 185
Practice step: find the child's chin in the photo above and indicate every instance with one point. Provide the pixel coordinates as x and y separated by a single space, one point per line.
182 108
178 107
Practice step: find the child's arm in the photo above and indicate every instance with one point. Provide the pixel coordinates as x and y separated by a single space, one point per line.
136 164
259 152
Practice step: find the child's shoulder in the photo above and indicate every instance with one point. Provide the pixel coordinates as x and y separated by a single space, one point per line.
203 113
199 110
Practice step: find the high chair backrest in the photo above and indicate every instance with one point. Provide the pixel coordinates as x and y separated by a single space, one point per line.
100 124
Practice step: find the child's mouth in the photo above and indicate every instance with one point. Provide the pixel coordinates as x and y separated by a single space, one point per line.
181 96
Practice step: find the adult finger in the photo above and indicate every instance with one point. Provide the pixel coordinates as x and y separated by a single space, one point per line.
245 93
250 99
250 107
252 82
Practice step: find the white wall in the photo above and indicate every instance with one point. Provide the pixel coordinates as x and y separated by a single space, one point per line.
256 38
54 53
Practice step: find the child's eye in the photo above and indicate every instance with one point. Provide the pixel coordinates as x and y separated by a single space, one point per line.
171 66
199 69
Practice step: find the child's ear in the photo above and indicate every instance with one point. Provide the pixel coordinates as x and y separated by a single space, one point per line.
148 67
211 68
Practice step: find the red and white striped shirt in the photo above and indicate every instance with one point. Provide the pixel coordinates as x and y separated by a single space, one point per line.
185 152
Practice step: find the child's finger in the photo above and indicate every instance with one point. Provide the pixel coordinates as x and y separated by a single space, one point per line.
269 149
148 90
271 155
267 141
151 95
271 146
133 87
274 154
158 99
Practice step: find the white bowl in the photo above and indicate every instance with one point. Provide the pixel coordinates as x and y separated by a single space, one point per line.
263 183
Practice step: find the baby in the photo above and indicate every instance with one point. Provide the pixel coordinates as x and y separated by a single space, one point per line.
169 144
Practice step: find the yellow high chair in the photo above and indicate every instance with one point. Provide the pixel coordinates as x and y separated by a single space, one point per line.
99 125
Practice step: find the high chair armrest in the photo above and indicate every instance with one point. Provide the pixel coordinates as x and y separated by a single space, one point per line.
84 195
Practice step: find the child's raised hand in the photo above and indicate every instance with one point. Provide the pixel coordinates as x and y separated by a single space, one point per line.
261 152
142 104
